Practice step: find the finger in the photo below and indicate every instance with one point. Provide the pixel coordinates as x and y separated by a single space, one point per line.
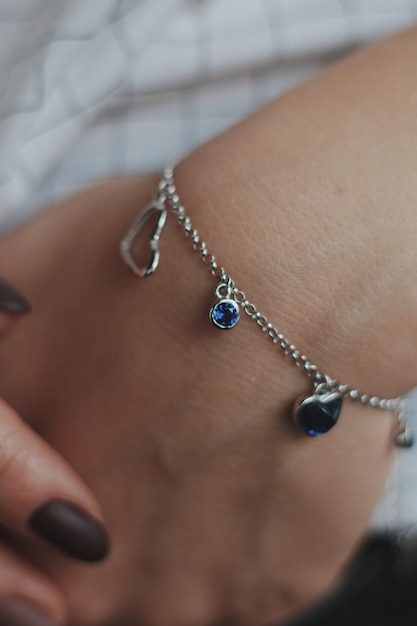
12 306
37 488
27 596
40 493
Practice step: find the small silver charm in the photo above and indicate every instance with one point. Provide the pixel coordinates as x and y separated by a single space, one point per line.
225 312
404 438
157 209
318 413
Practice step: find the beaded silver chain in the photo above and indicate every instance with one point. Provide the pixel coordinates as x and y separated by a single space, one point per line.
316 413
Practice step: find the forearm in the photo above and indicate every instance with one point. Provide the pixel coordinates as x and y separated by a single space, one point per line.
307 199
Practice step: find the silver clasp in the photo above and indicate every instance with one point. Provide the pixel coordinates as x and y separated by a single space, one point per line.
404 437
154 208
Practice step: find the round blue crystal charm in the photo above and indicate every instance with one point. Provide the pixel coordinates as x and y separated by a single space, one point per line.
225 313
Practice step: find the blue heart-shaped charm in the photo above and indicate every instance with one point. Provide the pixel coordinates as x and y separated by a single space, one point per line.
155 209
318 413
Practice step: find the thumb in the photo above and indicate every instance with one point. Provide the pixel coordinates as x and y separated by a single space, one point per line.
12 305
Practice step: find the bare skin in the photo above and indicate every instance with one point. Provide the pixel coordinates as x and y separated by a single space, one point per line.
220 511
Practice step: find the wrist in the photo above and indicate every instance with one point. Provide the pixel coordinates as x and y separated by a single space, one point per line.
329 263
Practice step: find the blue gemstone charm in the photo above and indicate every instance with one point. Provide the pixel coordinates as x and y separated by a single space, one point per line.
225 313
318 413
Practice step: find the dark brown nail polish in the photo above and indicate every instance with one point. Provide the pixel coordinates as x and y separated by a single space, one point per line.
71 529
17 612
11 301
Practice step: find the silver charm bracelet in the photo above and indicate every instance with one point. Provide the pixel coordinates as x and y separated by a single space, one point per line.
316 413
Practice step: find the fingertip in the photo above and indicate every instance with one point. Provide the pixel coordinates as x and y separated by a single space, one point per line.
27 595
11 301
43 494
71 529
12 306
15 611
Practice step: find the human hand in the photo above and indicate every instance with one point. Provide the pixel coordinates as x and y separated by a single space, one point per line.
41 497
202 478
216 504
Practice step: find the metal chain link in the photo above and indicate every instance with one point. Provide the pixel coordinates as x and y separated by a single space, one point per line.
167 192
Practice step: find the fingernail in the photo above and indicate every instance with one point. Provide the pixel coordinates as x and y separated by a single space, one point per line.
11 301
71 529
18 612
